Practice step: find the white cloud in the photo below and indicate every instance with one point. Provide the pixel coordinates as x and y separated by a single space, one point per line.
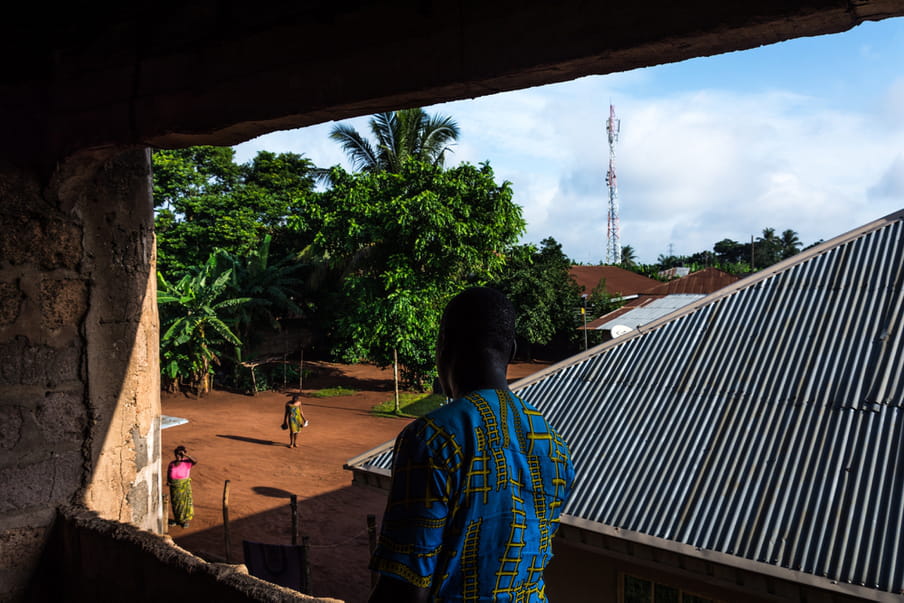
694 166
891 183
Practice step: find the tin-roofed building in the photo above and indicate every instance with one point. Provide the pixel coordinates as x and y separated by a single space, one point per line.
619 282
660 300
747 447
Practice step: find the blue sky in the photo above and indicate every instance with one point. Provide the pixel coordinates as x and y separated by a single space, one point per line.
806 134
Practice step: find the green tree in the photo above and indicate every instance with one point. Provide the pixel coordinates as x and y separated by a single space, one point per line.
601 301
628 256
271 288
546 299
205 201
790 244
768 249
664 262
194 331
731 252
404 243
397 137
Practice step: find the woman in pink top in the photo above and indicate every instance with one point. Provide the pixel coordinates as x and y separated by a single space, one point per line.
178 476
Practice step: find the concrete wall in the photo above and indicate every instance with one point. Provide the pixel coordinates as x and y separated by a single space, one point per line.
79 376
100 560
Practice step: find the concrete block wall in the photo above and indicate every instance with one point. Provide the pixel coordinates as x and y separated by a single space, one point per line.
79 376
101 560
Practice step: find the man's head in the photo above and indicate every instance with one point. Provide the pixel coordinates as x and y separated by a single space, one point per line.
476 338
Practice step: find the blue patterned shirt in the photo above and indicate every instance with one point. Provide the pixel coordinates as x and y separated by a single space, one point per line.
477 488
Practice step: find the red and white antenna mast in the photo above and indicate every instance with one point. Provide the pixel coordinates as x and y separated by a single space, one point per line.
613 243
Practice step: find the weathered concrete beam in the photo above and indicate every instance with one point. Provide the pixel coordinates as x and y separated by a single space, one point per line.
220 73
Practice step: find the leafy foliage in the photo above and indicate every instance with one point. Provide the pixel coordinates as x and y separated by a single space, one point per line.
204 201
404 243
271 290
730 256
194 332
546 299
398 137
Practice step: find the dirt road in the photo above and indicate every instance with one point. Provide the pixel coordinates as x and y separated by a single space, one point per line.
238 438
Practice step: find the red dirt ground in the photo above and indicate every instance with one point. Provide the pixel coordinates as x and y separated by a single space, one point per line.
238 438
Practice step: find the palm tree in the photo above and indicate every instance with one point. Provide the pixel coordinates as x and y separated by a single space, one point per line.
628 256
767 250
271 289
790 243
398 135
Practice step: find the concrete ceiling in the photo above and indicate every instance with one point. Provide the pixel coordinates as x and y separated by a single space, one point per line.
79 76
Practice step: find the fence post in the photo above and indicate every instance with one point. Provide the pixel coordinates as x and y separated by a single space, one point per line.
226 519
307 564
293 503
165 513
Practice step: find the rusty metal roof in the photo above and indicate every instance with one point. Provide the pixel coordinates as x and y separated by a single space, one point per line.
618 280
763 422
708 280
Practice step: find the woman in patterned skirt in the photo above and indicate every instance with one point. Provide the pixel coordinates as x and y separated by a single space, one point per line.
178 477
294 420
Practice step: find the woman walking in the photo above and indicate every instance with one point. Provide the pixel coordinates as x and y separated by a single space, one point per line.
294 420
178 477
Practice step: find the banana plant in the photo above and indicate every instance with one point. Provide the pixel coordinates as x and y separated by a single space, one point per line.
194 331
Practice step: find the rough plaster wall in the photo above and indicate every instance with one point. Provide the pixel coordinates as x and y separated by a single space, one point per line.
121 356
101 560
79 381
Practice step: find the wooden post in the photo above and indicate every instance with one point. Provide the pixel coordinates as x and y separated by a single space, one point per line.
372 542
752 260
307 564
293 503
300 368
395 377
226 518
166 514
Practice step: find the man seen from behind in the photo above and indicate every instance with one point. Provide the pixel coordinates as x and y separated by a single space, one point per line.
479 483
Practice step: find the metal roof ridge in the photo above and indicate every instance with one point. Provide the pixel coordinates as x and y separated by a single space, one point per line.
355 462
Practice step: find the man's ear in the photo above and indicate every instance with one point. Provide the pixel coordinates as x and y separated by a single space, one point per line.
514 349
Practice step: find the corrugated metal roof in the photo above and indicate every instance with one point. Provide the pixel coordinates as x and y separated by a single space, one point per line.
765 421
708 280
657 308
618 280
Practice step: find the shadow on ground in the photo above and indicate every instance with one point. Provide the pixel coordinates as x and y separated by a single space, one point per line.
324 375
339 547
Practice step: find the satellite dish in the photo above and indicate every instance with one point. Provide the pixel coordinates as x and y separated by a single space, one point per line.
619 330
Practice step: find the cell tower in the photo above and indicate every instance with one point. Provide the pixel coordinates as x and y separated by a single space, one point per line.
613 243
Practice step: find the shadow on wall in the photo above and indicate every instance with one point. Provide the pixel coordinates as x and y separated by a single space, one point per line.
100 560
79 374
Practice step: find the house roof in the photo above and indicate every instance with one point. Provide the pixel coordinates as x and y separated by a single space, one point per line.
656 307
764 422
655 302
631 305
618 280
707 280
